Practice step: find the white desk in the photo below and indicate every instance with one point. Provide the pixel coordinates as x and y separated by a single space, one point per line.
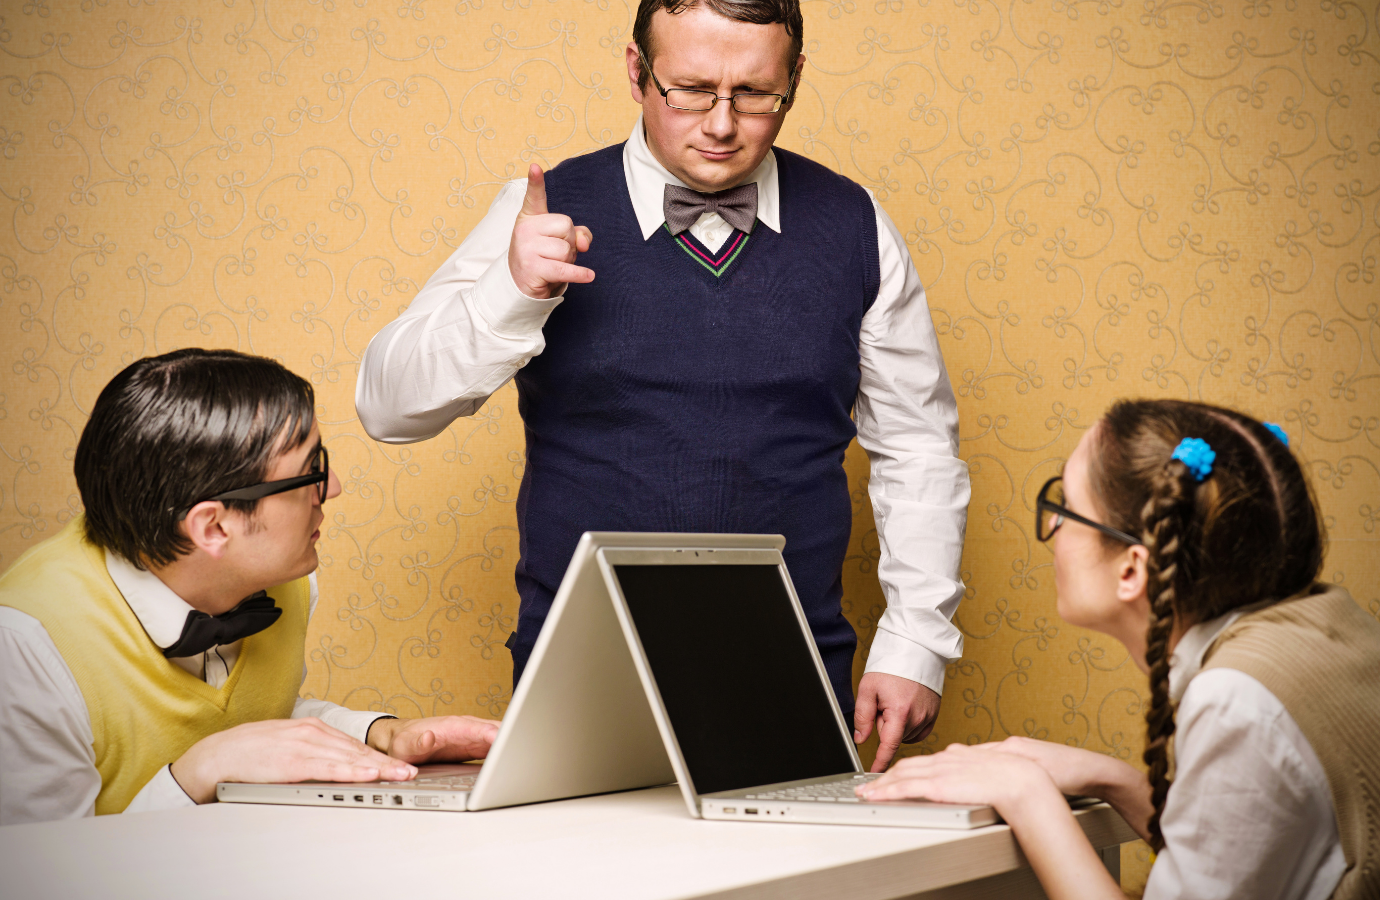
640 844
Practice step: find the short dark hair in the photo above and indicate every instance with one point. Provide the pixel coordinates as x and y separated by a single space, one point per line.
756 12
170 431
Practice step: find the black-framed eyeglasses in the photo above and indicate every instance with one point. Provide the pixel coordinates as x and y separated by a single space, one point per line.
691 100
320 474
1050 513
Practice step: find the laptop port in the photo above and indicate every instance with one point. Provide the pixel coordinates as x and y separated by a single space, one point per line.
397 800
359 798
426 801
339 798
730 810
378 799
750 811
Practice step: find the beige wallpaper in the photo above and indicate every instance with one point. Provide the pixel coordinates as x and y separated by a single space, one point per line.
1104 197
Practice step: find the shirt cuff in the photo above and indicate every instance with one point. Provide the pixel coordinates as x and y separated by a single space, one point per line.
892 654
162 792
508 310
353 722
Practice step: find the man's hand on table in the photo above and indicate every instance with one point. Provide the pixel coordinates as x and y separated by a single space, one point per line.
901 710
281 751
544 246
437 739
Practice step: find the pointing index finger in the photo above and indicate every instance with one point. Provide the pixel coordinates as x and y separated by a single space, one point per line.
534 203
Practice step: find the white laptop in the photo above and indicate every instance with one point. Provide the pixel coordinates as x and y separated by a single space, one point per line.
578 724
739 693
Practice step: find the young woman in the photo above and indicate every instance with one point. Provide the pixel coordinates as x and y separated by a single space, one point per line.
1188 533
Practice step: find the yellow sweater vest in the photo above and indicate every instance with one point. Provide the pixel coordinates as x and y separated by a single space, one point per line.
1319 653
145 710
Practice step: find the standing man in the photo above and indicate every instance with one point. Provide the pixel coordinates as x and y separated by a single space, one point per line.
154 647
691 317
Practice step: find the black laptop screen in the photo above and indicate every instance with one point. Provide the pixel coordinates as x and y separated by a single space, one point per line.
735 674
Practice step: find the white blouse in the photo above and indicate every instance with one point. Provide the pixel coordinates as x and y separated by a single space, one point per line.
1249 814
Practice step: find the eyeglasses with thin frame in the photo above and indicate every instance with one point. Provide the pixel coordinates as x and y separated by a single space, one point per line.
691 100
1050 514
320 474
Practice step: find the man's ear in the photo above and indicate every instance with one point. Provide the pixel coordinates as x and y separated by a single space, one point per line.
634 72
1132 578
206 527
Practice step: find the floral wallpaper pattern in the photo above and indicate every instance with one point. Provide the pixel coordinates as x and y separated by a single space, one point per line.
1104 198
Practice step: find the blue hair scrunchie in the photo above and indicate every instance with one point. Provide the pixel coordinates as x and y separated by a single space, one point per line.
1277 432
1197 455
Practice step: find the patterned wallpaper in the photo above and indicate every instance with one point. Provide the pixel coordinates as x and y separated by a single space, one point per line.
1104 198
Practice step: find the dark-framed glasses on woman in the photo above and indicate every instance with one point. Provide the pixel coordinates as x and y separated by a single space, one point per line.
1051 513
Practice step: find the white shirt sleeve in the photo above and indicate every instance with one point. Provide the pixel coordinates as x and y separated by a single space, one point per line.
464 336
907 422
1249 813
47 760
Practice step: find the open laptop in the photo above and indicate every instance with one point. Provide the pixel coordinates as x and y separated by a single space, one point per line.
578 722
739 693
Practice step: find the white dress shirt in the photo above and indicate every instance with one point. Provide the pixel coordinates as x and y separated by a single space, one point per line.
470 329
47 758
1249 813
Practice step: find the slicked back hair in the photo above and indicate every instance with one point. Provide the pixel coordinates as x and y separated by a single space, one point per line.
755 12
170 431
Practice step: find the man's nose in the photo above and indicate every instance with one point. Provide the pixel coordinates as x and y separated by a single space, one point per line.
332 484
721 122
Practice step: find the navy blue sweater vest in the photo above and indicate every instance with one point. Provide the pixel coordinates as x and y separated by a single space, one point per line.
672 399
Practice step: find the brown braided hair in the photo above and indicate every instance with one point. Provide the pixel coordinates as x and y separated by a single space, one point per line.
1249 532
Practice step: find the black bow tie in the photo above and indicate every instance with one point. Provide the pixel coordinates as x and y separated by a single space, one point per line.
202 632
683 207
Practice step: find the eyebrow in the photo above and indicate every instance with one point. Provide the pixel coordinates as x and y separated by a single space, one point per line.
700 85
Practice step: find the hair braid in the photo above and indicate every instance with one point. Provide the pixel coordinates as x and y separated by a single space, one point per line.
1163 518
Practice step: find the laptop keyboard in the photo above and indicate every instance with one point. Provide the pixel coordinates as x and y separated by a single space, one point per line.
829 792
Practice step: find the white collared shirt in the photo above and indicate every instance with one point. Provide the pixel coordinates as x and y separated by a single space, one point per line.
470 329
1250 812
47 758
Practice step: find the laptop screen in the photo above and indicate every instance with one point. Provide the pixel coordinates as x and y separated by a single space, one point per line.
735 673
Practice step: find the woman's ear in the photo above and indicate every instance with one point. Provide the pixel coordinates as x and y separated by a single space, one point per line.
205 527
1132 578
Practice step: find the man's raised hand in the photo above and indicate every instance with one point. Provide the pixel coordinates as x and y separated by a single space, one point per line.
542 253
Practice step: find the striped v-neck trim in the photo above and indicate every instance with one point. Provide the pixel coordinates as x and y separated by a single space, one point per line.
716 264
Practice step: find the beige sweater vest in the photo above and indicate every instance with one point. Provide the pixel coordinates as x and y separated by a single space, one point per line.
1319 653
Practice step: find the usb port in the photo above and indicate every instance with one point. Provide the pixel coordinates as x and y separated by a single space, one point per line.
339 798
750 811
730 810
378 799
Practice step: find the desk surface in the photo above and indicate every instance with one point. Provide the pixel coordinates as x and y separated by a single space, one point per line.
640 844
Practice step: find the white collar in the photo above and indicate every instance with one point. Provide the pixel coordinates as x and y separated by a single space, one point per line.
161 612
1187 659
647 179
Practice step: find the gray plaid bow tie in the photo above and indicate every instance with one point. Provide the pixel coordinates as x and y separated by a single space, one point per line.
683 207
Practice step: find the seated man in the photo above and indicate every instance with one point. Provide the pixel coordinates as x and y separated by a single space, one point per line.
154 647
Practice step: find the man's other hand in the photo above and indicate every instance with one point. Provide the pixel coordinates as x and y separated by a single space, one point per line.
542 253
902 710
437 739
278 751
